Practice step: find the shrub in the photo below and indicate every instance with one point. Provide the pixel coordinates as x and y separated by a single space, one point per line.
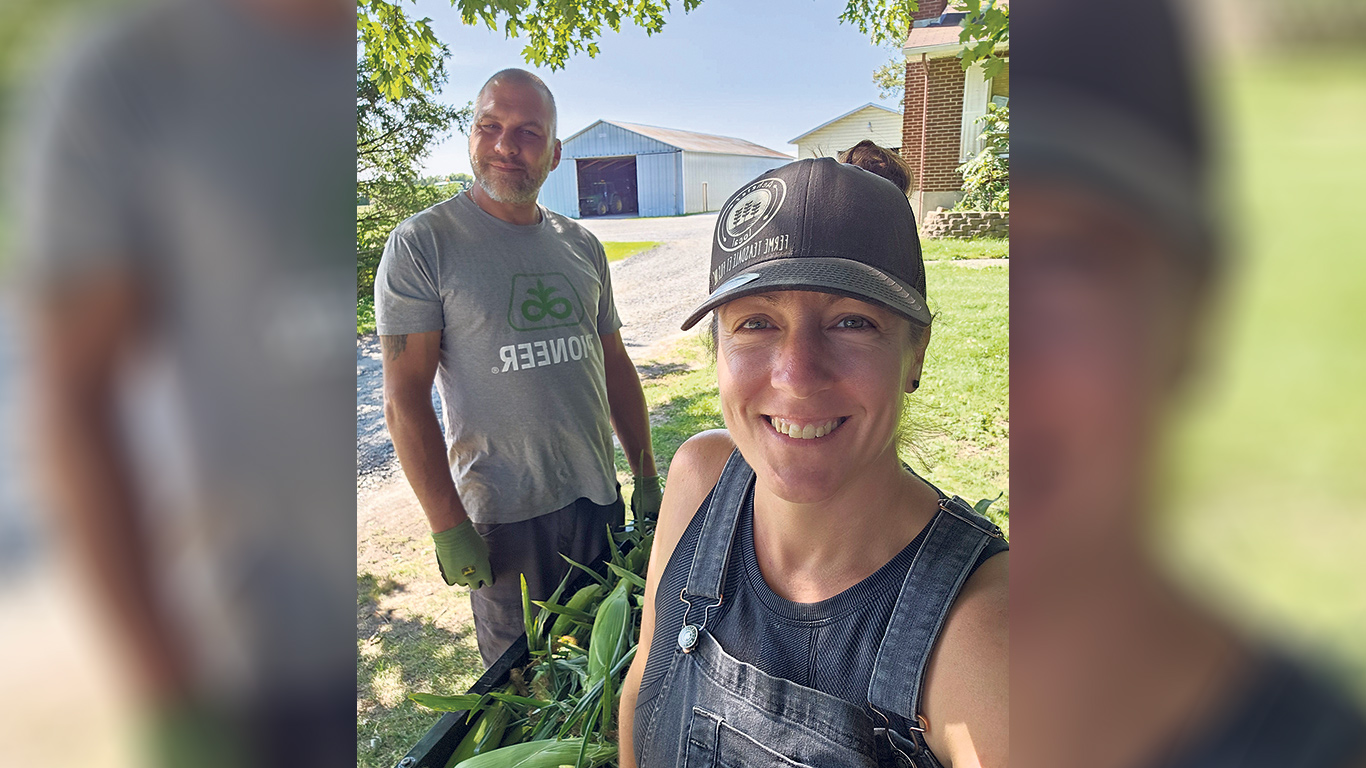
986 177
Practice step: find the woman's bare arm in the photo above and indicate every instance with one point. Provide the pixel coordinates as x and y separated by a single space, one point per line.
967 686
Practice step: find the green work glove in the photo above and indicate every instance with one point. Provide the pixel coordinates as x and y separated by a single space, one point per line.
463 556
646 497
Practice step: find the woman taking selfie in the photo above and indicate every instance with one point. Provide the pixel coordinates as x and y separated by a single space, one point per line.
810 600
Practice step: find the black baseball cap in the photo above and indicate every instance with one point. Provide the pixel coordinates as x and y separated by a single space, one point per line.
818 225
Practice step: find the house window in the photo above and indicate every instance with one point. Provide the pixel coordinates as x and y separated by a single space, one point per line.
976 96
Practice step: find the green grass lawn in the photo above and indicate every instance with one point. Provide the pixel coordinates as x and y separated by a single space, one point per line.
619 251
949 248
396 656
1268 473
365 315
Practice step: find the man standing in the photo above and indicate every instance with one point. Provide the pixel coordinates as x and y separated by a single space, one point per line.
509 308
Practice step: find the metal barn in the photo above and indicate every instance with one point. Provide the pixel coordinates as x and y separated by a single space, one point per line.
612 168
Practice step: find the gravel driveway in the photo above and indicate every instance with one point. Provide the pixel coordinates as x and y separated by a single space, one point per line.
655 290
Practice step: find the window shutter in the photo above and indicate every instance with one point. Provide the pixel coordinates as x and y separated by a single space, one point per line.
976 96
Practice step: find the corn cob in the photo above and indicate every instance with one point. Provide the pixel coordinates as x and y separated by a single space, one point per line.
638 558
610 629
484 736
547 753
581 601
611 637
574 690
533 638
515 734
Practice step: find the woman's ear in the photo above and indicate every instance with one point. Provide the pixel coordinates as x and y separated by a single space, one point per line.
912 382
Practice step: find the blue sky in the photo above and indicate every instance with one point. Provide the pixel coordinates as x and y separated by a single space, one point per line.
761 70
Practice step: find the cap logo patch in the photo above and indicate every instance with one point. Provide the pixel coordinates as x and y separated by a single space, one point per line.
749 211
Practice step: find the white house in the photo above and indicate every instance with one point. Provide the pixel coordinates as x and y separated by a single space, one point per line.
870 121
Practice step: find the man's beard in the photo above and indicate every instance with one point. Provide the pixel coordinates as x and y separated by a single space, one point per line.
510 189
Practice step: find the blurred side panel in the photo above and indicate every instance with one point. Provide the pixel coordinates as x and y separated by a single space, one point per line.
1268 512
1187 358
177 525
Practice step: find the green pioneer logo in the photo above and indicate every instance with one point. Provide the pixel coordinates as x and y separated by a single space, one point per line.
543 301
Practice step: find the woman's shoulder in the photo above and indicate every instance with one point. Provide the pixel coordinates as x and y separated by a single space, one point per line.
693 472
704 455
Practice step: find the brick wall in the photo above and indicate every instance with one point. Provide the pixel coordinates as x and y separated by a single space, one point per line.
943 123
930 9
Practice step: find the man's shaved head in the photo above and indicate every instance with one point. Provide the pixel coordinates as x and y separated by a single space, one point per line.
523 77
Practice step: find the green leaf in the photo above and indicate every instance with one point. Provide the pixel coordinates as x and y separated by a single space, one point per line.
573 613
521 701
626 574
596 576
461 703
982 504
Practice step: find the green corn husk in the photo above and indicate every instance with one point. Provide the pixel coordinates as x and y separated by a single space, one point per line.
582 600
465 749
638 559
484 736
474 702
611 631
533 639
516 733
564 610
559 709
494 725
543 617
546 753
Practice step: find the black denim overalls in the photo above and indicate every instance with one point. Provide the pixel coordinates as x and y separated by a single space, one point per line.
715 710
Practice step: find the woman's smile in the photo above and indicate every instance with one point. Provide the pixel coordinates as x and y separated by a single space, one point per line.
799 429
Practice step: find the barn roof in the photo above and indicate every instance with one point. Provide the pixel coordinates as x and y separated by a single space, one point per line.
691 141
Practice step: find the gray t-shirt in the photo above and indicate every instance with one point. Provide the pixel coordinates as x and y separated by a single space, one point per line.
523 392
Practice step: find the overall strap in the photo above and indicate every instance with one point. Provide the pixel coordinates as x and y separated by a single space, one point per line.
708 570
956 537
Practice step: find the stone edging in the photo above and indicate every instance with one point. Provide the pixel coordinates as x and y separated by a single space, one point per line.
965 224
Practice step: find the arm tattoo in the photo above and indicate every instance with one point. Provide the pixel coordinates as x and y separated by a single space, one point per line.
393 346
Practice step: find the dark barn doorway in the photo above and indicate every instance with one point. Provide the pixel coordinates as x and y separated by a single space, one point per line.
607 185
